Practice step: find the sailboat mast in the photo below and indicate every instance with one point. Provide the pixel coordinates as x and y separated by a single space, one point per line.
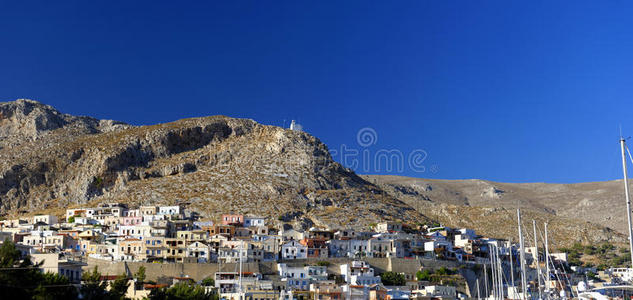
240 283
628 200
511 267
486 281
493 273
522 255
547 271
500 271
478 292
538 266
514 290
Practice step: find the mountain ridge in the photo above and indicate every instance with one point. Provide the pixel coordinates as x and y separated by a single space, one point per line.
217 164
599 202
205 162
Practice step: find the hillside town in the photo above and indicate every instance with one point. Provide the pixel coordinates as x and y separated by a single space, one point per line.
304 264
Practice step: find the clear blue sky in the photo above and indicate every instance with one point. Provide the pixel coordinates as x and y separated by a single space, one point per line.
500 90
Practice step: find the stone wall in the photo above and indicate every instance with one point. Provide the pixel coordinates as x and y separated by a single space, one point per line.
155 270
200 271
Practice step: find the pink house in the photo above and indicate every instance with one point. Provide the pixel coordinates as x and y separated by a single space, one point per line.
232 219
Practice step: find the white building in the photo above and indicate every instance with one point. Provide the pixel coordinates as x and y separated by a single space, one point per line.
232 255
389 227
136 231
359 248
200 251
432 245
339 248
292 234
254 221
300 278
169 210
359 273
228 282
296 278
294 250
436 291
46 219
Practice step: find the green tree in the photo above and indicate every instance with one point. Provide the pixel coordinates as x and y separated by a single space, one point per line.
9 255
606 247
443 271
55 286
577 247
19 277
140 276
590 250
93 287
591 275
71 219
574 261
393 278
208 282
181 291
118 288
423 275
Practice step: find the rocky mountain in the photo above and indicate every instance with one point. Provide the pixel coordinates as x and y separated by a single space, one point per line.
50 161
213 165
586 212
24 121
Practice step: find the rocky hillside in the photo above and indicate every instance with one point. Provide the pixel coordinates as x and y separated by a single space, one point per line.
25 121
50 161
587 212
213 164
